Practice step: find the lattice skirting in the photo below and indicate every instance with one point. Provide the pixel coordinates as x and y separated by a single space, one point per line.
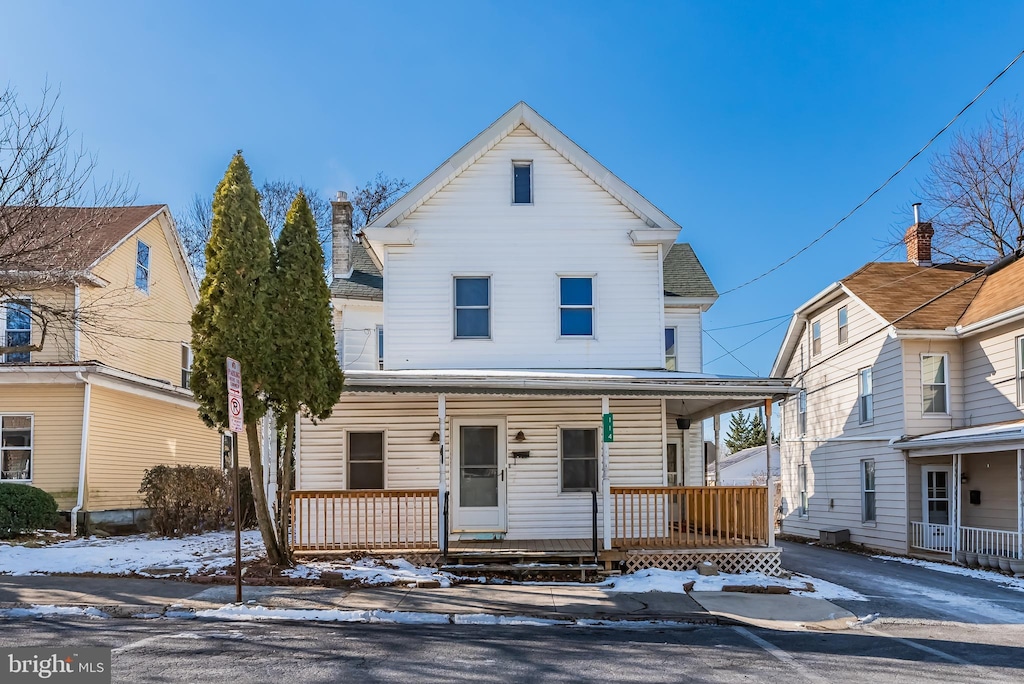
767 561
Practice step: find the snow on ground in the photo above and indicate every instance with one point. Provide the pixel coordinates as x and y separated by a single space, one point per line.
51 611
136 554
1017 584
673 581
370 571
260 613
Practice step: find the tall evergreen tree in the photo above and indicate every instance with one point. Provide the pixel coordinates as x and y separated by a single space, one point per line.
757 433
738 436
231 319
305 376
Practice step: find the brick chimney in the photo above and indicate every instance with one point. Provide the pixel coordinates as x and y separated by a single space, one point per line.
341 236
918 239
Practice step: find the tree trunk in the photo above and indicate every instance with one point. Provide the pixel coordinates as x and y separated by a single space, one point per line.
285 489
259 496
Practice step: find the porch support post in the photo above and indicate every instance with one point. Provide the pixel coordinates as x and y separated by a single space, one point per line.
442 480
768 470
606 485
718 438
1020 503
957 495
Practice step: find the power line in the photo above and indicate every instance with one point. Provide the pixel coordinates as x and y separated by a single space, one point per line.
883 185
750 341
743 325
729 353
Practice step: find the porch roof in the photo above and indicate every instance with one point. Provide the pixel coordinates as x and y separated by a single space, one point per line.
703 395
982 438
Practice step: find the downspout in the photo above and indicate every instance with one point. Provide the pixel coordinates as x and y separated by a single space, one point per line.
82 456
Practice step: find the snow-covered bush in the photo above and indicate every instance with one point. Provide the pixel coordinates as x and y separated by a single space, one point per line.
25 509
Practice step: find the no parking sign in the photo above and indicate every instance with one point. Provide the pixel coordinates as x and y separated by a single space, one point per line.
235 412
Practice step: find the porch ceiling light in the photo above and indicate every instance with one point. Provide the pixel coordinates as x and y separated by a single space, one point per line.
520 437
435 438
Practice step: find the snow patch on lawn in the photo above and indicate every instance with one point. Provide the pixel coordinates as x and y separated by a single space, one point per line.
261 613
673 581
372 572
487 619
133 555
52 611
989 576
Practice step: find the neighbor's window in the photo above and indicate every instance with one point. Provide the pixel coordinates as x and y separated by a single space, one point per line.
935 384
142 266
815 338
579 460
472 308
380 347
366 460
186 365
15 447
576 306
670 349
17 329
1020 371
844 326
802 483
868 488
866 402
522 182
801 412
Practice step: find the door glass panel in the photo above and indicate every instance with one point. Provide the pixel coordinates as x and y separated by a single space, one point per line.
478 466
671 465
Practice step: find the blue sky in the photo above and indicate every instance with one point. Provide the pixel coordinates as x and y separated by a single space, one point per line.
754 125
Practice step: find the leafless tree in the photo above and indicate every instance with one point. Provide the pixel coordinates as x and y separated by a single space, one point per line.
372 199
976 190
46 241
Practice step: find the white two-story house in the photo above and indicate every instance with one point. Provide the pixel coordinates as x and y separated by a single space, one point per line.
521 341
908 426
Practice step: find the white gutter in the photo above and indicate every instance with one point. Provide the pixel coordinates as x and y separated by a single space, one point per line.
82 455
921 334
1005 317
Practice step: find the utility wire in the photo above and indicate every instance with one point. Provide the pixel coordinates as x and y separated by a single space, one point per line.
883 185
729 353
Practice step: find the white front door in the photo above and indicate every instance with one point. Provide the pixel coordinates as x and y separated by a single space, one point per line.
478 475
936 511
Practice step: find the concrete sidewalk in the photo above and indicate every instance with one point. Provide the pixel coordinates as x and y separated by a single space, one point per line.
126 597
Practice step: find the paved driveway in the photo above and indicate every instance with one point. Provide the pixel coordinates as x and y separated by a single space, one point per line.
898 590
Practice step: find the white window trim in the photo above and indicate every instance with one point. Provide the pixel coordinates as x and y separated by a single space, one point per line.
191 359
675 343
512 185
490 306
945 365
840 326
816 324
592 307
861 395
864 492
3 324
384 456
1019 354
31 448
378 345
801 412
148 267
597 460
803 492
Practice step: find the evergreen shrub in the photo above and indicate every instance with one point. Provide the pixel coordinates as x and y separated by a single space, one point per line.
25 509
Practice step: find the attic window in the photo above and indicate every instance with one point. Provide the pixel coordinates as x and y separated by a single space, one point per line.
815 338
142 267
522 182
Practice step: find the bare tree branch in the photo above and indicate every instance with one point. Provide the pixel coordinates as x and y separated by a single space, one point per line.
372 199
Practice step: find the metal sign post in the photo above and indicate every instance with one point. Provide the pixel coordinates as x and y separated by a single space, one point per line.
236 424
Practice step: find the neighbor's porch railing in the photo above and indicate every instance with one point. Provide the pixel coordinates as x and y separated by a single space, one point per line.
996 542
689 517
364 519
931 537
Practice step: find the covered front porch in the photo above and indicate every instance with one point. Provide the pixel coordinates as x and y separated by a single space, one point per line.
965 494
503 447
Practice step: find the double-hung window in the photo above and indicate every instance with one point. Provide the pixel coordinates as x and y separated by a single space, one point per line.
670 349
801 412
366 460
576 306
472 308
866 397
844 325
1020 371
142 266
579 459
802 483
17 330
867 480
815 338
186 365
380 347
522 182
935 383
15 447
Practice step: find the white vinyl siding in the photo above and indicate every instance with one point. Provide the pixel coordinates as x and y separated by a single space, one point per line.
993 384
355 328
468 226
1019 348
687 323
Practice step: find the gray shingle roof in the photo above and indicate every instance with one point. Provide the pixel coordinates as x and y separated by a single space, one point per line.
683 274
366 281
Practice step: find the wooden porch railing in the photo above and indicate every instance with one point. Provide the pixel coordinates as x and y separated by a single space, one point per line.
364 519
689 517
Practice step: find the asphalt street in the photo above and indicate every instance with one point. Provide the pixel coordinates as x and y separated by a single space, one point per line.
201 651
907 592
